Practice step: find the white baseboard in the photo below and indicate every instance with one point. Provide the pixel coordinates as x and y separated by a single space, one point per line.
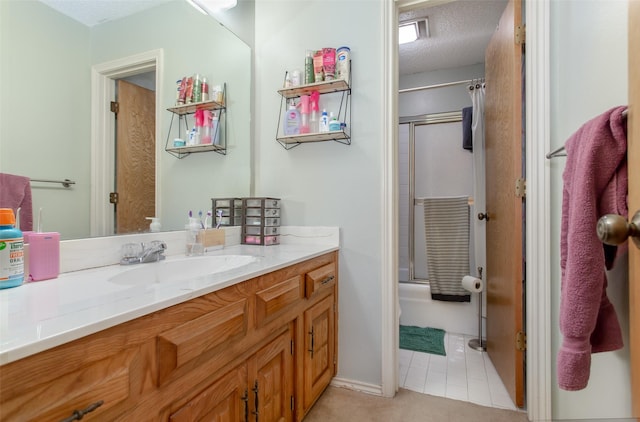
362 387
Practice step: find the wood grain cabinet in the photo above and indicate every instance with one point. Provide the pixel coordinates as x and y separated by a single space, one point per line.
262 350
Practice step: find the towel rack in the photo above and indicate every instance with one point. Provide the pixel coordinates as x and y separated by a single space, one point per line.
66 182
420 201
559 152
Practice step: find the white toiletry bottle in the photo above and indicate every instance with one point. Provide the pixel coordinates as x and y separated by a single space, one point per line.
155 224
292 120
334 124
324 122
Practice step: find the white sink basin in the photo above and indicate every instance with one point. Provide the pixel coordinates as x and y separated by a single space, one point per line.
180 269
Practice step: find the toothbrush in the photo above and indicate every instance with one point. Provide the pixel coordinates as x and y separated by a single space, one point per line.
219 215
200 215
206 220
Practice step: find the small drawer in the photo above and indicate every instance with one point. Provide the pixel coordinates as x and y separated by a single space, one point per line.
262 202
251 239
272 301
259 221
319 279
260 212
267 231
227 203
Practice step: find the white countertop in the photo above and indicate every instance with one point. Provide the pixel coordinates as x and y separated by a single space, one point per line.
41 315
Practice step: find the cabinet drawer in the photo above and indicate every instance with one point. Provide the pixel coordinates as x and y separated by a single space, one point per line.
107 380
186 342
270 301
320 279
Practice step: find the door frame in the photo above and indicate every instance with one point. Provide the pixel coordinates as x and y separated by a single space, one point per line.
538 269
103 77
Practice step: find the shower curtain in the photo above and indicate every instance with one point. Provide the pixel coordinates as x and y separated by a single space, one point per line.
476 91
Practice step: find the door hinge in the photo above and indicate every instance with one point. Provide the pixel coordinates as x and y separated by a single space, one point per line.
521 341
113 197
521 187
293 403
292 347
520 34
115 107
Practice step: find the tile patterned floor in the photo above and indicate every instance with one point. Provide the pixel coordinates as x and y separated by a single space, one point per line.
464 374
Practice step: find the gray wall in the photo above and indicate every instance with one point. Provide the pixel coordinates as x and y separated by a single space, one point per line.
588 76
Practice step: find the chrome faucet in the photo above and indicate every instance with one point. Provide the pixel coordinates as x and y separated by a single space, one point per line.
135 253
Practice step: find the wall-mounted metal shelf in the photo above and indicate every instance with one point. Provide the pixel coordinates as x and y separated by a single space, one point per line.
183 111
336 86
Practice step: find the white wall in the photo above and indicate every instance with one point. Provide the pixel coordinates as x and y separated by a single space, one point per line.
588 76
329 183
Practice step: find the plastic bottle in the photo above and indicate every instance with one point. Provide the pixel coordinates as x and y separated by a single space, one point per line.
199 118
304 114
11 251
155 226
292 120
308 68
205 135
314 119
324 122
334 124
343 63
215 128
205 89
197 88
193 244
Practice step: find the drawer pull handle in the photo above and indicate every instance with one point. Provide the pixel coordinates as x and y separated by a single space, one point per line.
79 414
327 280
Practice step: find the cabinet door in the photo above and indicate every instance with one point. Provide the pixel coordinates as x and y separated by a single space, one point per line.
226 400
271 375
319 349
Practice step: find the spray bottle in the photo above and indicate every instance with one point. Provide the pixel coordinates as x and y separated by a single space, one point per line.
199 117
314 121
304 114
205 135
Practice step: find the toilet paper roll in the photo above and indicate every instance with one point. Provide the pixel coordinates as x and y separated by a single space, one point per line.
472 284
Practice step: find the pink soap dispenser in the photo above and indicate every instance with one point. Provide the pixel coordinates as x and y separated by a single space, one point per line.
304 114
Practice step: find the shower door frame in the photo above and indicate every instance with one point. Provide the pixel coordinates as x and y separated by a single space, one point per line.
413 121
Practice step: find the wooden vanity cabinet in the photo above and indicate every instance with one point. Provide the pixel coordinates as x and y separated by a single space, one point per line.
242 353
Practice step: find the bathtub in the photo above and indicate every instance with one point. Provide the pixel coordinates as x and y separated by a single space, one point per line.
417 308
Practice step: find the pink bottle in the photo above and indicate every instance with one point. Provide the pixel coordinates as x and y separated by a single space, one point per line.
314 122
304 114
205 137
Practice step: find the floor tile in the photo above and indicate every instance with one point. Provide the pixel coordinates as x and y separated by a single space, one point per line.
463 374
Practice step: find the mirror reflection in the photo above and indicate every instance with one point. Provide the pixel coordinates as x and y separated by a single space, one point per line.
53 71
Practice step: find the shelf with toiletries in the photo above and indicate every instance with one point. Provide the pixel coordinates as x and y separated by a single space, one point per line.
301 119
208 130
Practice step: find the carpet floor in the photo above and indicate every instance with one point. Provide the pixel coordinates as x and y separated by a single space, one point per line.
342 405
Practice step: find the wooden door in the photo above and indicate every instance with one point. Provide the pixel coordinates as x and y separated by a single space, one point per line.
225 400
135 158
271 381
633 157
319 349
505 256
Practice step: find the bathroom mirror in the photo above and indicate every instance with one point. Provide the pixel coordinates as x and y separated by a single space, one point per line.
46 119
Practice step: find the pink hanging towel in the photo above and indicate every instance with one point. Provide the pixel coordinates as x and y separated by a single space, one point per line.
15 192
595 184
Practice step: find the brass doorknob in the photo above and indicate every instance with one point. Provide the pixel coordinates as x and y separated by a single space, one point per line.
613 229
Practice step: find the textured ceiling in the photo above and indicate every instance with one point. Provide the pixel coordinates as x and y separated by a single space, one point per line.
94 12
459 32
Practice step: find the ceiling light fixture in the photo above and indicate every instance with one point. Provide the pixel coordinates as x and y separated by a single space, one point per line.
210 7
413 30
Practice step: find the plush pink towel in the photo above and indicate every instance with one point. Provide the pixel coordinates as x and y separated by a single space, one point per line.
15 192
595 184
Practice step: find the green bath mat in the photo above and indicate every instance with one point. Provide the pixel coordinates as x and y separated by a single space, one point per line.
429 340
